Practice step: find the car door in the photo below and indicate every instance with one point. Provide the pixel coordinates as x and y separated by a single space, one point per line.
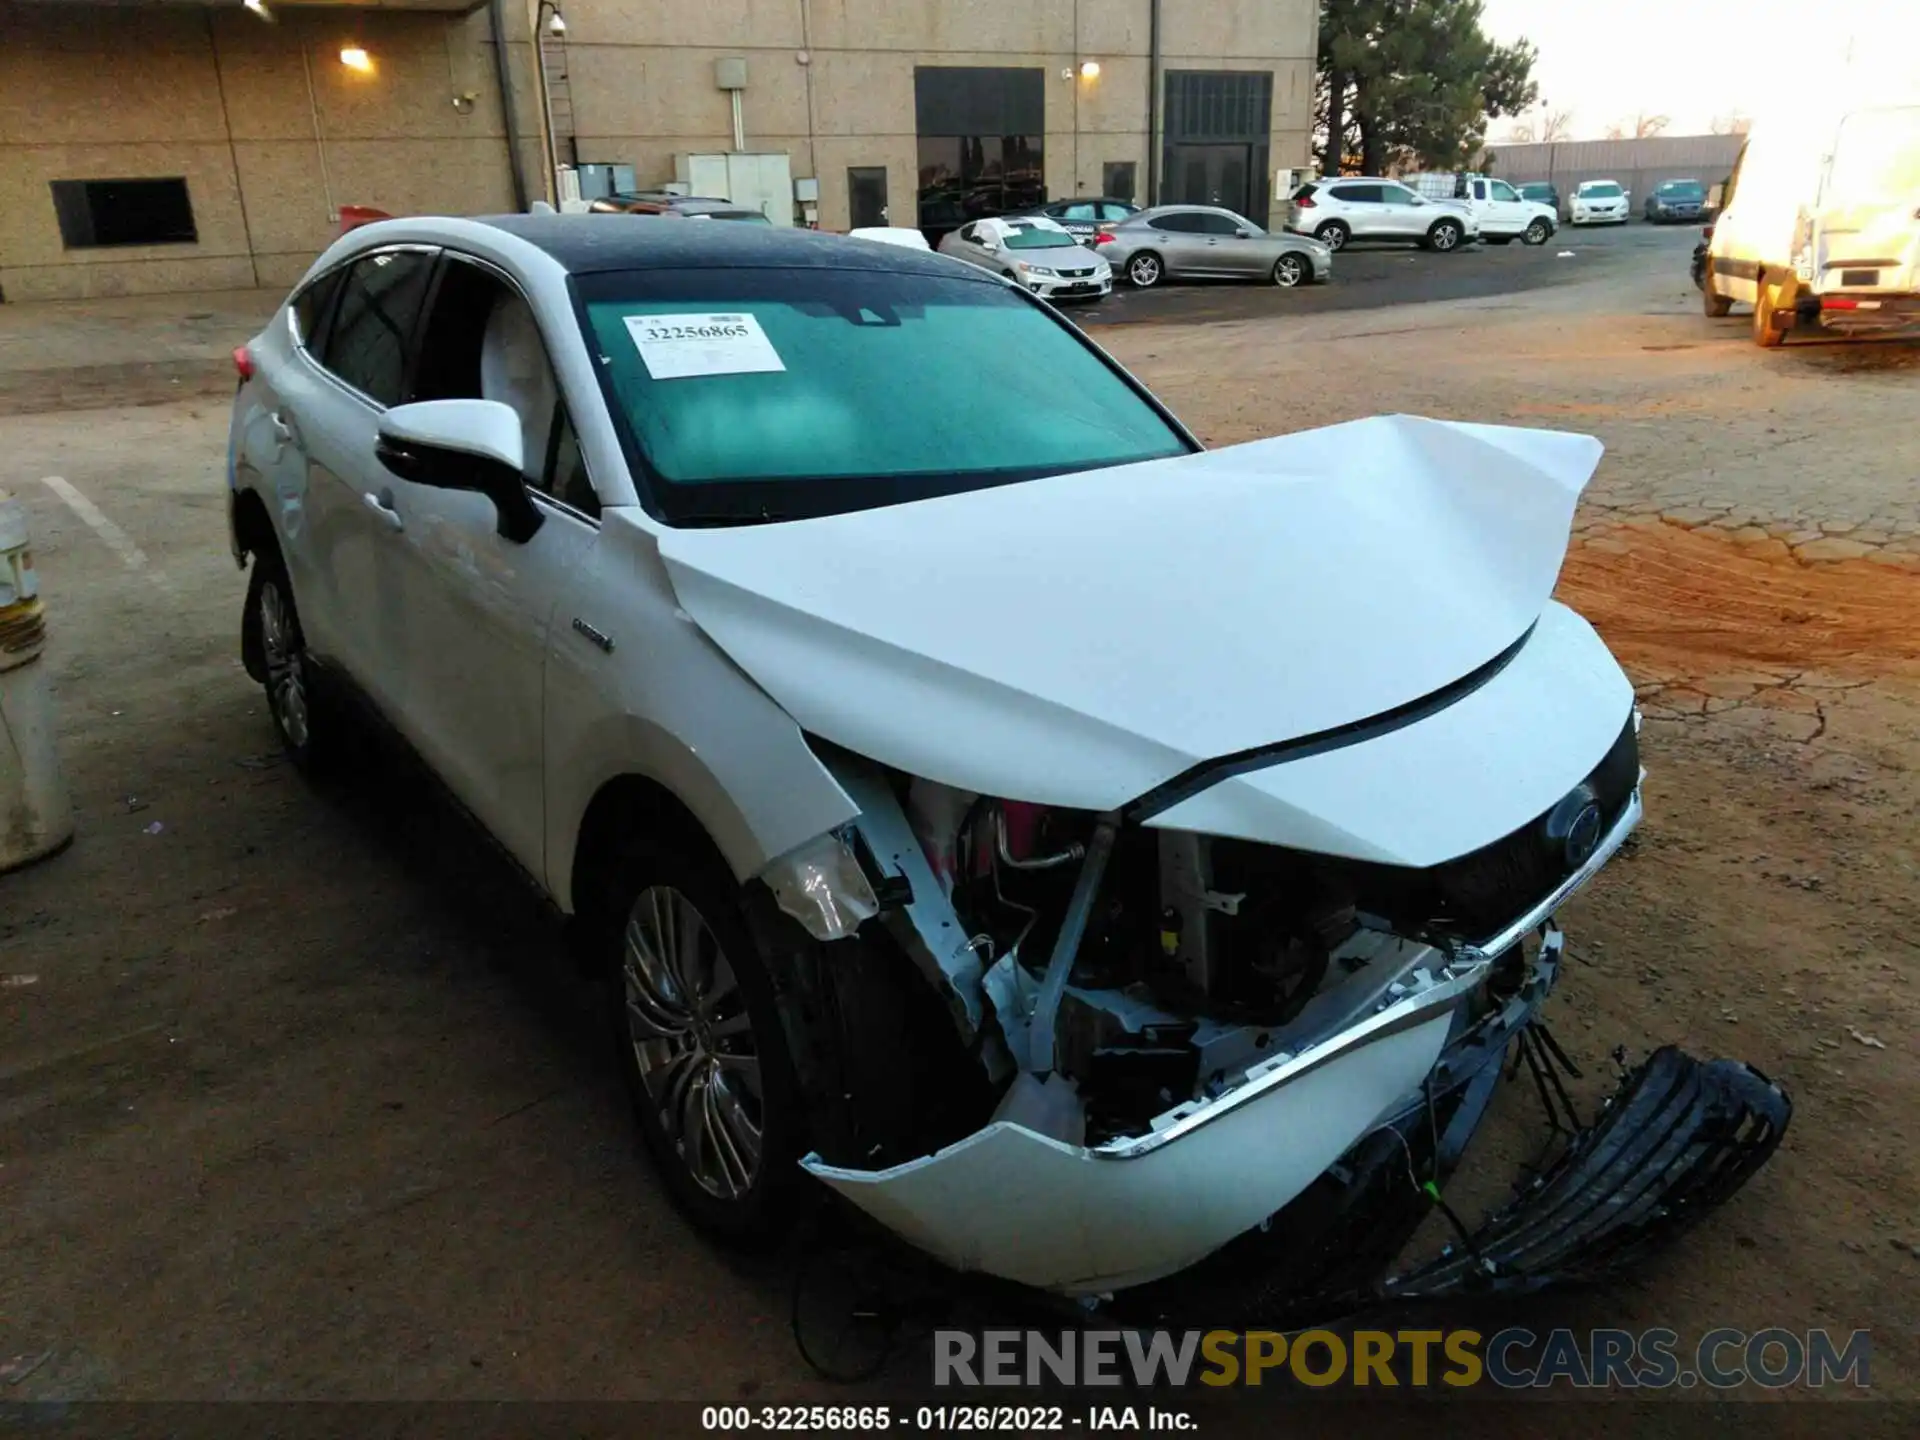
1358 208
476 610
1504 213
1232 249
1402 213
1181 242
336 406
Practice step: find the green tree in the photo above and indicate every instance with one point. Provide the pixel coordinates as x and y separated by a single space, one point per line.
1413 81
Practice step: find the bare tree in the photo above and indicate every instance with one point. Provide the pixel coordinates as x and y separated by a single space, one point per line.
1556 125
1646 126
1731 123
1521 133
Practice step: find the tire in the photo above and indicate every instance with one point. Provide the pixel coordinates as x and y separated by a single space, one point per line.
1445 236
712 1082
1334 234
1716 305
306 724
1291 270
1145 270
1538 233
1766 309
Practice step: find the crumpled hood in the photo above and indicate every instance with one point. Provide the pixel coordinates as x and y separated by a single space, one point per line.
1079 639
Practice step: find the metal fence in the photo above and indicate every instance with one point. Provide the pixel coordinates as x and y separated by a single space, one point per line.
1638 165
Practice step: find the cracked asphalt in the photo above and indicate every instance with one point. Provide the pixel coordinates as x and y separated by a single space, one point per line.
297 1100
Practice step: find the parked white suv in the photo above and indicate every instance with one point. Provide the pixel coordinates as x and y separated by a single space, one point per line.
1598 202
852 703
1362 207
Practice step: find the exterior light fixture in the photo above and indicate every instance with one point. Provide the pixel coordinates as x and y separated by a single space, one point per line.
1089 69
258 7
355 57
557 25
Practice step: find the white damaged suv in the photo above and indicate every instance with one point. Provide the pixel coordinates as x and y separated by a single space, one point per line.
1072 847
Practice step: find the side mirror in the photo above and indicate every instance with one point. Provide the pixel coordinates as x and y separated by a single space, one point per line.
463 445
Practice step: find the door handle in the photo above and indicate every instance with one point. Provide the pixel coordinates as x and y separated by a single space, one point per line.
382 505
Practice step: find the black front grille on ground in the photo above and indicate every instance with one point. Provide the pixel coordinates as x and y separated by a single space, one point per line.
1673 1144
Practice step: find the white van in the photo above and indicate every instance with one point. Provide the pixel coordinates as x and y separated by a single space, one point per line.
1820 225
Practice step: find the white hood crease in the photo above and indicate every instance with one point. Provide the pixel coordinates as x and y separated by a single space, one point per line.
1080 639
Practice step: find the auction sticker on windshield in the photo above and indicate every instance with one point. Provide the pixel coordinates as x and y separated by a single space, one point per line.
674 347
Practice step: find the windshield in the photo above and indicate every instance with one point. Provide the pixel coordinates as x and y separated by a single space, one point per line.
1605 190
1040 240
1683 190
1876 158
749 395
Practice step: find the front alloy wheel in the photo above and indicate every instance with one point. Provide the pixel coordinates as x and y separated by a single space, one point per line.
1289 271
1144 271
1537 233
1444 236
693 1042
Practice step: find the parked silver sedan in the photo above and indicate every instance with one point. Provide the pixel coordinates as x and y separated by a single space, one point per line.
1182 242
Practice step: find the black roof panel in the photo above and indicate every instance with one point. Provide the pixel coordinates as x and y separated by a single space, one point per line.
587 244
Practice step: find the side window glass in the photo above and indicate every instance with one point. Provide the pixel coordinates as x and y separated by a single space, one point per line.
310 308
1181 224
481 342
1503 191
379 302
1218 225
566 476
1395 194
1357 194
1077 212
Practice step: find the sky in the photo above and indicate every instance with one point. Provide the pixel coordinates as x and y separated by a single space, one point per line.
1692 60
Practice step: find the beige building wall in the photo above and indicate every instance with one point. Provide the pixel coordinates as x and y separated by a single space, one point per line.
273 134
217 96
830 82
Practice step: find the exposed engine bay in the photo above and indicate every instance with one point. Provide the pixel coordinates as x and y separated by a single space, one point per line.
1130 970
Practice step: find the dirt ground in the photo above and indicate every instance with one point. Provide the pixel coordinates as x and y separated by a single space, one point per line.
298 1101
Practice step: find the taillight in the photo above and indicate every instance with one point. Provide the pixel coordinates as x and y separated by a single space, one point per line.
1305 202
243 363
1102 238
1707 230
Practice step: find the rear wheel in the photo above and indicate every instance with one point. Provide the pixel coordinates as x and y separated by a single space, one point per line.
1537 233
1334 234
1445 235
1291 270
1716 305
1145 270
702 1047
303 721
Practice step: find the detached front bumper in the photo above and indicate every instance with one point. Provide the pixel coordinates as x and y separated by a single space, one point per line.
1080 1220
1085 1221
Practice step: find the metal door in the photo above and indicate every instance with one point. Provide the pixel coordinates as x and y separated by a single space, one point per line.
867 195
1211 175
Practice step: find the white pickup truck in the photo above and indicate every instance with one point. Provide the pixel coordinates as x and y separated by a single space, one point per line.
1503 213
